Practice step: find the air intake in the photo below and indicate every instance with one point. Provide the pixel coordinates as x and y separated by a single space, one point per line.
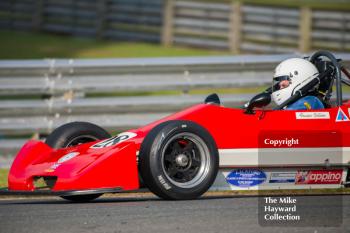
44 182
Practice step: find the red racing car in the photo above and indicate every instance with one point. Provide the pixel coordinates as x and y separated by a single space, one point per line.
205 146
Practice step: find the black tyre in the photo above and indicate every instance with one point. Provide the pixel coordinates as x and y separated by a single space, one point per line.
73 134
178 160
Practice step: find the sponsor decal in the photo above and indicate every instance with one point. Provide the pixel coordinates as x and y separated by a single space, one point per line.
319 176
246 177
62 160
282 177
341 116
49 170
281 142
67 157
164 183
307 105
312 115
114 140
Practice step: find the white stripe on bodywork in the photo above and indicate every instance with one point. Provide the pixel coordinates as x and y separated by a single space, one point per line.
284 156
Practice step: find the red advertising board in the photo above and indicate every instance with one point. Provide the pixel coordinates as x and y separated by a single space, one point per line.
319 176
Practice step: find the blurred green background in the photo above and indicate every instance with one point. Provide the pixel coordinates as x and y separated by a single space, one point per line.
30 45
156 28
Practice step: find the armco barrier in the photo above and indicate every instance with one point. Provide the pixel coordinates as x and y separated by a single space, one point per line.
40 95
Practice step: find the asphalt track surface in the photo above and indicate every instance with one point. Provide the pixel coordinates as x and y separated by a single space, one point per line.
150 214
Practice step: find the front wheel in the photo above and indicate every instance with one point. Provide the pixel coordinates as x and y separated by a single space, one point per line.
73 134
178 160
81 198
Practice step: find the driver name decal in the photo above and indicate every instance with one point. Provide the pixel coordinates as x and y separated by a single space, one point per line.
311 115
114 140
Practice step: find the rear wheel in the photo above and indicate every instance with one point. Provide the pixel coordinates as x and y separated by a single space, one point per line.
73 134
178 160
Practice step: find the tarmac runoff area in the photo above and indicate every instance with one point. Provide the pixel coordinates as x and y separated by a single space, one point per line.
144 212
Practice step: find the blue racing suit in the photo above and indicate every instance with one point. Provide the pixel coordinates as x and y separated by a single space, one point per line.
306 103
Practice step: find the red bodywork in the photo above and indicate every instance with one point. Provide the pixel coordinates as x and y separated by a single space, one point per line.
116 166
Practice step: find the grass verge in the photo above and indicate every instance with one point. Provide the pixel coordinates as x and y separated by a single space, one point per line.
3 177
28 45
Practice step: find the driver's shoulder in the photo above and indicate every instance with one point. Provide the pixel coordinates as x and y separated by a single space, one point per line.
309 98
306 103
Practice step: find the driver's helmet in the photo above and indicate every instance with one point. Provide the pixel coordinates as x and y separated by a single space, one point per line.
291 75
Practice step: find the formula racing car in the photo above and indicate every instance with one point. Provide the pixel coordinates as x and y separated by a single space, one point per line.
206 146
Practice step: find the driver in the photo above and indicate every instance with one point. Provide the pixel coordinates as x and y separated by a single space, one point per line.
291 75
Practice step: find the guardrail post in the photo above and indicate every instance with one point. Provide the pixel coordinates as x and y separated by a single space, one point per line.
305 27
168 18
101 17
235 27
38 15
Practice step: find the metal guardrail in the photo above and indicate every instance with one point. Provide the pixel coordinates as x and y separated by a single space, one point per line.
62 89
153 74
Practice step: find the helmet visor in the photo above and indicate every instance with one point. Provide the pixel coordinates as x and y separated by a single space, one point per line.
280 82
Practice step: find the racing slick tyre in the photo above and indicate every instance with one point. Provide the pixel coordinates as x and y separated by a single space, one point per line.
73 134
178 160
82 198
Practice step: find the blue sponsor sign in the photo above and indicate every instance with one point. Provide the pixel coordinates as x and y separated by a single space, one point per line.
282 177
246 177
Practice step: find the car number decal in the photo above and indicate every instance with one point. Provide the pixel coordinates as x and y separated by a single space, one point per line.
114 140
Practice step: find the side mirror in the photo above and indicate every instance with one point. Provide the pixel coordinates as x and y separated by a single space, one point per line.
258 101
212 99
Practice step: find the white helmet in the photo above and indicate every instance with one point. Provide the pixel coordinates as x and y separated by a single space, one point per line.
291 75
